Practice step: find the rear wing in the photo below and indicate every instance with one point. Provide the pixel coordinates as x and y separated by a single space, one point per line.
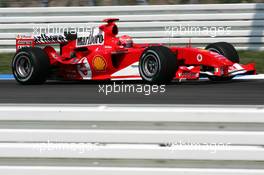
43 39
95 36
24 41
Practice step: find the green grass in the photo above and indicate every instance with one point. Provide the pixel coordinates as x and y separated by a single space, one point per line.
245 57
5 62
253 56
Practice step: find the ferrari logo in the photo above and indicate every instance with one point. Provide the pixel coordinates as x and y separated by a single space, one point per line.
99 63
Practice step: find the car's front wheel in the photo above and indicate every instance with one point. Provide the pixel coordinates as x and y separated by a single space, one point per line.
157 65
228 51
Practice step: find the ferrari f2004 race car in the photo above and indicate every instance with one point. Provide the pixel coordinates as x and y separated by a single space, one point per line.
101 54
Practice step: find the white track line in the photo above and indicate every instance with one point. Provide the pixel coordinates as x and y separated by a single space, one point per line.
239 77
250 77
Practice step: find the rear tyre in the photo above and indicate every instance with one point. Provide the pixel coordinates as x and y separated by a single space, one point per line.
228 51
30 65
157 65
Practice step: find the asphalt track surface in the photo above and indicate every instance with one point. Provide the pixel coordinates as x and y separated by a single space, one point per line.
236 92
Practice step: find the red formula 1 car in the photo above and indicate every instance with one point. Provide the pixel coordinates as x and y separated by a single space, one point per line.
100 55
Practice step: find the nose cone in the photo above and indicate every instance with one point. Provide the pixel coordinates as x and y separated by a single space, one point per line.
220 59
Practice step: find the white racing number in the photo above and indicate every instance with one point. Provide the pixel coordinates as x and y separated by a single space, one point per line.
84 69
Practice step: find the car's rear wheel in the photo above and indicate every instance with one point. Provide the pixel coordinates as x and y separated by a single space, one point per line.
30 65
228 51
157 65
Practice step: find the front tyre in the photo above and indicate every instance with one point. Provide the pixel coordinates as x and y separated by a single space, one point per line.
30 65
228 51
157 65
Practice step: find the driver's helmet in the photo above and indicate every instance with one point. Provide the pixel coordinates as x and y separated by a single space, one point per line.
126 41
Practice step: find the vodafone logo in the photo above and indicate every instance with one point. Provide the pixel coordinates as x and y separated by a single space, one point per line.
199 57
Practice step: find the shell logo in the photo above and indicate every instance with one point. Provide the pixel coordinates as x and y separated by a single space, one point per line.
99 63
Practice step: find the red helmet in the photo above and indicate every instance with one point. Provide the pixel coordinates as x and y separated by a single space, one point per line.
126 41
